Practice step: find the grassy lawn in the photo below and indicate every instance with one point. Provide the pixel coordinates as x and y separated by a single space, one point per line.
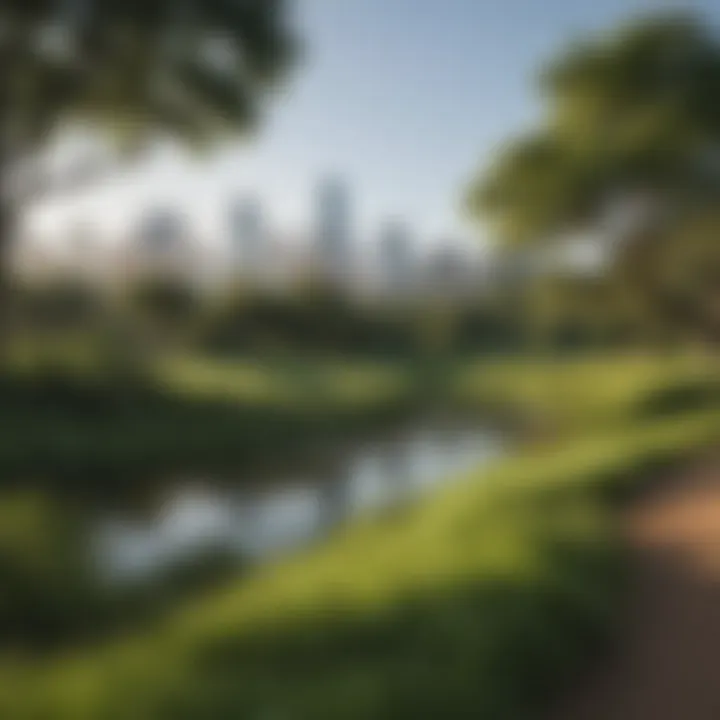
342 382
575 394
478 602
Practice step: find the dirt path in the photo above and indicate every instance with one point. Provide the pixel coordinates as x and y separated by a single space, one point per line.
667 663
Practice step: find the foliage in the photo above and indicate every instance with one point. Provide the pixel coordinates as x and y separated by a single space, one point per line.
675 277
47 596
164 312
84 424
192 70
56 307
80 423
627 156
187 69
631 111
319 324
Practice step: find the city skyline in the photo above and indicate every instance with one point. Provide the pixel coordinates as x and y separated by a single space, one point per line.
407 102
245 212
164 238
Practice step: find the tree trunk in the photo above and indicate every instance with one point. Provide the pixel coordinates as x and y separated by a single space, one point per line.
7 232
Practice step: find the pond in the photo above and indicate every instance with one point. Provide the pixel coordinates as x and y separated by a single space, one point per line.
258 521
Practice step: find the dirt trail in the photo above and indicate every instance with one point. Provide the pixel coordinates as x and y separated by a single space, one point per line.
667 663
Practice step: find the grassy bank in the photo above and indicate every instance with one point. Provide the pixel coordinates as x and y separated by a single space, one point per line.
597 392
479 602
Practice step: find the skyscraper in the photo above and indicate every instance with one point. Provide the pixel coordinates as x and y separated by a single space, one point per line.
162 231
395 258
162 243
334 236
247 236
84 250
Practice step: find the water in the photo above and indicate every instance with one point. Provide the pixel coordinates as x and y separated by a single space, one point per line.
257 522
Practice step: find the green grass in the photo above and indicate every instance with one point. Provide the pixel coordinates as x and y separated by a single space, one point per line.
344 383
574 394
479 602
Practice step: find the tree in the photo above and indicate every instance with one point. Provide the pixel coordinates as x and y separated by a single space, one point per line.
630 145
635 112
165 309
191 69
59 305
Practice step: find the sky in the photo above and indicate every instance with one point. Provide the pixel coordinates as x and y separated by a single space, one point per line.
405 100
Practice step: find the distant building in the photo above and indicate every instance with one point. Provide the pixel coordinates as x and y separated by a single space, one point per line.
29 257
396 261
247 237
334 231
85 252
78 253
161 231
162 245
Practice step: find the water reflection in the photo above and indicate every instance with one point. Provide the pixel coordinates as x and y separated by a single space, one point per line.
201 517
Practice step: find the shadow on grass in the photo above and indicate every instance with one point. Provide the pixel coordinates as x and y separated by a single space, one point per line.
92 431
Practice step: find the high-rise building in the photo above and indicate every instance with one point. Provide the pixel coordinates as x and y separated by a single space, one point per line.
334 234
395 258
162 231
247 236
84 249
162 244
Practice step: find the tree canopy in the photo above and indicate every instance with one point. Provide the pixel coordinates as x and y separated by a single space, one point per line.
136 70
185 66
628 153
637 110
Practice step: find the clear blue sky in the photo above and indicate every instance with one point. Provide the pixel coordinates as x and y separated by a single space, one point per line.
404 98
